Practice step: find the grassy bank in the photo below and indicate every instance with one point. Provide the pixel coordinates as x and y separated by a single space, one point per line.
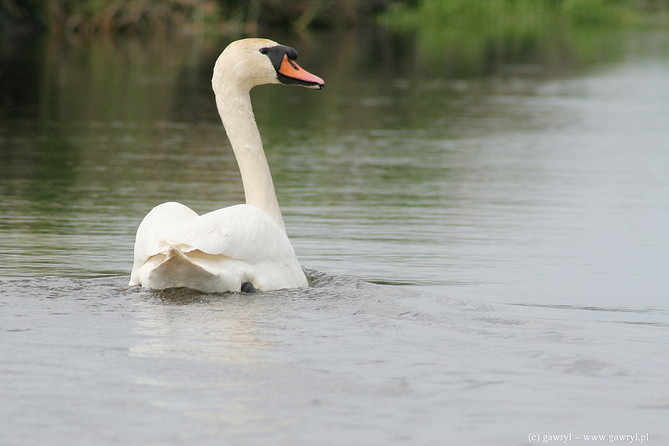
87 17
520 13
465 38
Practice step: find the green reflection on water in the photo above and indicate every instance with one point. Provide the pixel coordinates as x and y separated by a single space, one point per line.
94 133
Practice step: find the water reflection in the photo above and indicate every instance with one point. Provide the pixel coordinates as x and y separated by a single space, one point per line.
528 170
224 333
215 347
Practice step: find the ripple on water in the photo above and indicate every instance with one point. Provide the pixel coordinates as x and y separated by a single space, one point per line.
286 366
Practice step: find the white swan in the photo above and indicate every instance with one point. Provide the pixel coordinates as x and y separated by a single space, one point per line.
242 247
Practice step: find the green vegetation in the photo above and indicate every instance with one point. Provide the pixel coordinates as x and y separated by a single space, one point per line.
155 16
519 13
469 38
104 16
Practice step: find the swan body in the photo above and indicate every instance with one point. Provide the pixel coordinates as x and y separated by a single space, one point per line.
238 247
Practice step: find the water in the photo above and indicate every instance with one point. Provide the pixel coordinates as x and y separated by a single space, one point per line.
486 246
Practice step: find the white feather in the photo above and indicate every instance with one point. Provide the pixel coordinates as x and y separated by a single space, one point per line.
217 251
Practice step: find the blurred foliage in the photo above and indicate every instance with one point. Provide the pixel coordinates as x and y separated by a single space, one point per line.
519 13
465 38
87 17
91 16
156 16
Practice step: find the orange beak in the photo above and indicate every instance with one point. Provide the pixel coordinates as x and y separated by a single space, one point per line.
299 76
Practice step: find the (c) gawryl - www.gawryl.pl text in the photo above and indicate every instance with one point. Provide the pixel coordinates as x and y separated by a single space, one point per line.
537 438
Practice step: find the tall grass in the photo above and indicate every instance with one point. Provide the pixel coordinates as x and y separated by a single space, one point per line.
510 13
140 16
469 38
150 16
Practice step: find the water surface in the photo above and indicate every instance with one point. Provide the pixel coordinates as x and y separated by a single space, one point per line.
487 245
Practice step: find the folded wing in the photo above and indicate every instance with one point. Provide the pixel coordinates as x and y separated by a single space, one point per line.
217 251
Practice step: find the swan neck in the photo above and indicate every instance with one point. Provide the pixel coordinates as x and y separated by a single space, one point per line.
234 106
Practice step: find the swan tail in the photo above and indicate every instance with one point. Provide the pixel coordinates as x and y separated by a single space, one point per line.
179 270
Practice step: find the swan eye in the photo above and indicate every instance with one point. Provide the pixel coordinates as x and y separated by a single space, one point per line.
263 50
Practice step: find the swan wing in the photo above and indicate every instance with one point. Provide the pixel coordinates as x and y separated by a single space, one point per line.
150 239
216 251
241 232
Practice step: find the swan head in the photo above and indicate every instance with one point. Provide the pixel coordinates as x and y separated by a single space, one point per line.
247 63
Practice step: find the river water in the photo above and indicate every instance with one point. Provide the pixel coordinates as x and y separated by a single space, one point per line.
486 240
